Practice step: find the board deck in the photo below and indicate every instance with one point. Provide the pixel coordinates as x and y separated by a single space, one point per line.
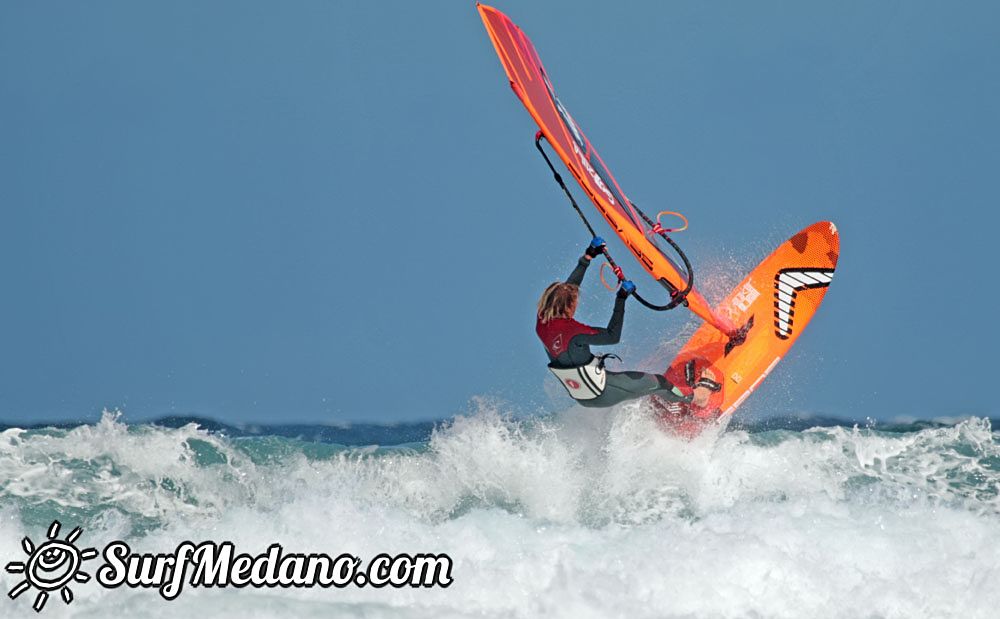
780 297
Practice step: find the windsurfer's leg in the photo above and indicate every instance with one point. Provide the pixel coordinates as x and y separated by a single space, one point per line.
624 386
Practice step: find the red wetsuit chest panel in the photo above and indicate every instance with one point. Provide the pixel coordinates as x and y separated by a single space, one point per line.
556 334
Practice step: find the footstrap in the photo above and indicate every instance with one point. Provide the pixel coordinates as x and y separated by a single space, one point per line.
689 377
709 384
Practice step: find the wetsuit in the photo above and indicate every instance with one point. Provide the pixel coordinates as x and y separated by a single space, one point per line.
567 343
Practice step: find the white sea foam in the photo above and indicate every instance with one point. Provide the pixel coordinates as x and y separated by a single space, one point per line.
585 514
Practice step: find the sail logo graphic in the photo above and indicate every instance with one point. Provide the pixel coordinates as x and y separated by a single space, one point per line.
577 136
593 174
51 566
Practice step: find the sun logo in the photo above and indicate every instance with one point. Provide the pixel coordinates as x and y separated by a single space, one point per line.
51 566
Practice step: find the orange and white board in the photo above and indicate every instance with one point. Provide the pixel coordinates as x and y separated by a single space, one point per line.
780 297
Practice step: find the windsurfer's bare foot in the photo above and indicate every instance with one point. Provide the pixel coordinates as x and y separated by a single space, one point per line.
701 393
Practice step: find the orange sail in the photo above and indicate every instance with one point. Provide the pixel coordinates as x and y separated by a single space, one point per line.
531 84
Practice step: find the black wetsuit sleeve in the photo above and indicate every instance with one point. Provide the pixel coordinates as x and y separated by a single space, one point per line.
576 277
612 334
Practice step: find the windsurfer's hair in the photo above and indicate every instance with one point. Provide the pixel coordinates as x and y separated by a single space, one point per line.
558 301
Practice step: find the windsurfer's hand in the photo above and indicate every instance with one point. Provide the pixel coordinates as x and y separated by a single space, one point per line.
626 289
595 248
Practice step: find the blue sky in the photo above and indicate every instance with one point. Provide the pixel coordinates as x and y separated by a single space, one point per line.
333 211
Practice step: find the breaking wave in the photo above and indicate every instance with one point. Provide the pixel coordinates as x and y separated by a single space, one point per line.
584 513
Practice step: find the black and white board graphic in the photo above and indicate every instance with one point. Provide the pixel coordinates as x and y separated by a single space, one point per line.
787 284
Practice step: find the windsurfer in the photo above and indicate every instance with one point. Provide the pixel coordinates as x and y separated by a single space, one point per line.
567 343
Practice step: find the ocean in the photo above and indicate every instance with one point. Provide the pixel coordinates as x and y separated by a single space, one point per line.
585 513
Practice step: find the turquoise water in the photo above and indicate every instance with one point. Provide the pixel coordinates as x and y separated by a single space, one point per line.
585 513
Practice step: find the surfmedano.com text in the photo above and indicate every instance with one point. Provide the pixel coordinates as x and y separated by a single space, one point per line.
211 564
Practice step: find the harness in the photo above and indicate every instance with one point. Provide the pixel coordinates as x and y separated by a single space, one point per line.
584 382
